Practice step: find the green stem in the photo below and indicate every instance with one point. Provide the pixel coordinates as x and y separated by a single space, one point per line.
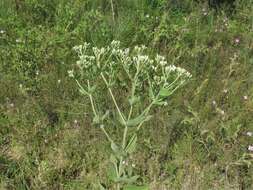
95 113
106 134
81 87
113 13
124 137
114 101
170 85
91 101
131 108
144 113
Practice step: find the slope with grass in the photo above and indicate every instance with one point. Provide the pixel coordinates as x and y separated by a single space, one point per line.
201 140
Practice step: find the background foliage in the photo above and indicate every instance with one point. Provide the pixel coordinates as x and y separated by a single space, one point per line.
199 142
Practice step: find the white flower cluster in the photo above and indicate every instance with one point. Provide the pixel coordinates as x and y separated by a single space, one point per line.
135 63
179 70
85 61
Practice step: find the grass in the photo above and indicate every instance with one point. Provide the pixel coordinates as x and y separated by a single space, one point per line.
47 140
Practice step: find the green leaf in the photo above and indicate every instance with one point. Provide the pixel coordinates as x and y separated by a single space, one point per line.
115 148
111 172
136 121
159 103
126 179
134 187
131 146
164 92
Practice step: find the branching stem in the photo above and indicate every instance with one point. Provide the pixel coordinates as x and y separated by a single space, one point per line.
112 96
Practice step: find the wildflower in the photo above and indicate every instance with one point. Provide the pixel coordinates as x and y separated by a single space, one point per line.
204 12
11 105
237 40
37 73
71 73
20 86
225 91
214 103
18 40
2 31
75 121
133 165
115 44
59 81
139 49
147 16
245 97
78 48
250 134
250 148
222 112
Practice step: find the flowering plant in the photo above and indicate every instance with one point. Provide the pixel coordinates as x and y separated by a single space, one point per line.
145 80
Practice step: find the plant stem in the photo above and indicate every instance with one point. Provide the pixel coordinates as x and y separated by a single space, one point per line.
95 113
91 101
113 13
114 101
124 137
145 112
106 134
81 87
118 186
